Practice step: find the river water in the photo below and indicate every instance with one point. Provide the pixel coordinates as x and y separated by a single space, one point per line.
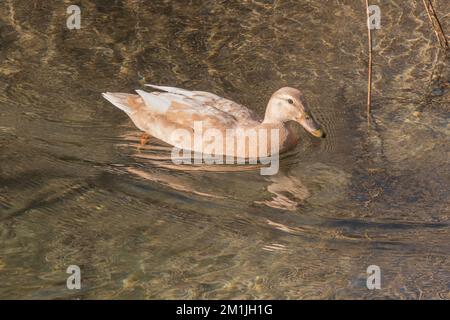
75 190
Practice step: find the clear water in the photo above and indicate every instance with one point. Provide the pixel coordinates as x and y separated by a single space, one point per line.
75 190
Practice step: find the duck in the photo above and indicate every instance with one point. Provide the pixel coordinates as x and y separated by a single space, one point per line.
178 116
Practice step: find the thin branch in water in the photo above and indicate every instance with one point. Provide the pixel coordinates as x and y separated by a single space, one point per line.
369 79
437 27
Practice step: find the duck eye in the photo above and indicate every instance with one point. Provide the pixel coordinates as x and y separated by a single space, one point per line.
290 101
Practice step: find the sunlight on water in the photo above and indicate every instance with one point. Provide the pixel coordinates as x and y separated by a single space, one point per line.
77 190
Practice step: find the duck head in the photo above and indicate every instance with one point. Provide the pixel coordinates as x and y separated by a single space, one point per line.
288 104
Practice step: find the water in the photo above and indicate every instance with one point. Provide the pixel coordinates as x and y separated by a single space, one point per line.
75 189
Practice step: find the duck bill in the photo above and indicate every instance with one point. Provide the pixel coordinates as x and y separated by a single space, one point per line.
312 127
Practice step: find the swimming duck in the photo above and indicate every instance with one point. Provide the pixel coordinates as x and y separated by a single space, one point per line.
162 113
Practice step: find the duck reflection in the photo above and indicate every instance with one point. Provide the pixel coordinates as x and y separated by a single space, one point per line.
153 162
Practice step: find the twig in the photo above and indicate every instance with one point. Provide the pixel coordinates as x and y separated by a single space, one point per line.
437 27
369 80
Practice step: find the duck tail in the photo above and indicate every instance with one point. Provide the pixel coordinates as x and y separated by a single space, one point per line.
120 100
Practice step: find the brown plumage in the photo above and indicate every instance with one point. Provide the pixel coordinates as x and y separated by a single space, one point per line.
172 114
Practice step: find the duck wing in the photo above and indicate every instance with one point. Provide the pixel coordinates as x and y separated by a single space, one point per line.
206 100
184 110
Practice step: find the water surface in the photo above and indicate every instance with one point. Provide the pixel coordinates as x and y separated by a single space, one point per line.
75 189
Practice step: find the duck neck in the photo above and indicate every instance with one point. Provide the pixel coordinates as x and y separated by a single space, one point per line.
272 116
